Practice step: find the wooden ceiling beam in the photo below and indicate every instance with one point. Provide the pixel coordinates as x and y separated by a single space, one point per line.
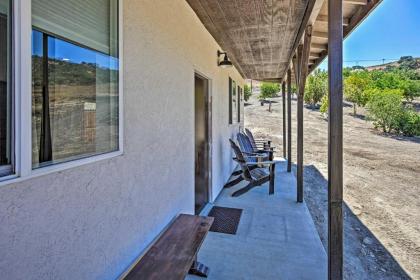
319 34
306 17
321 47
354 21
324 19
314 55
355 2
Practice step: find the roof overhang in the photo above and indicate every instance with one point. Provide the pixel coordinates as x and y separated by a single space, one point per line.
261 37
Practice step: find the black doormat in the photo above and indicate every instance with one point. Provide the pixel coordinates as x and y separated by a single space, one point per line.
226 220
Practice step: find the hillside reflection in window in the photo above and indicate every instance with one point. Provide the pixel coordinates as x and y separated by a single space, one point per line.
74 101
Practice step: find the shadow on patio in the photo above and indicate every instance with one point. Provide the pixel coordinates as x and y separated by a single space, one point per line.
276 237
365 257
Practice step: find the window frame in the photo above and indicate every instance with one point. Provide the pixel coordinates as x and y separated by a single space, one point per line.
230 92
239 100
9 170
22 71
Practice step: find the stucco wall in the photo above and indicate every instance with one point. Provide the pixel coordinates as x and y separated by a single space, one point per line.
92 221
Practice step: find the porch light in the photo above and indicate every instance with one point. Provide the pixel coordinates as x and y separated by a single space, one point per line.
225 63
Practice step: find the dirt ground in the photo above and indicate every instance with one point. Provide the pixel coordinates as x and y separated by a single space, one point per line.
382 188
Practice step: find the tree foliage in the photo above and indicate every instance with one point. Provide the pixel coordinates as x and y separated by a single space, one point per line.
269 90
247 92
316 87
385 107
355 89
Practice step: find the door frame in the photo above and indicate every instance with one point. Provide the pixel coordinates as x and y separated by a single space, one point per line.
209 140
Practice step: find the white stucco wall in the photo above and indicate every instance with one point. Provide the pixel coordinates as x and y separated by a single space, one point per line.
92 221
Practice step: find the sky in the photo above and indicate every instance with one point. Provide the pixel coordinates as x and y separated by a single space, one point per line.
392 30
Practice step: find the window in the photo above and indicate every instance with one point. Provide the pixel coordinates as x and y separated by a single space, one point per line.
75 76
230 101
234 103
6 98
239 103
233 99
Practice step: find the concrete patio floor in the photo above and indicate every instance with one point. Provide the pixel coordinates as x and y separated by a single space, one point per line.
276 237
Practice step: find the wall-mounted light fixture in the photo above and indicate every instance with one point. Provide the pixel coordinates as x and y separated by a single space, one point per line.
225 63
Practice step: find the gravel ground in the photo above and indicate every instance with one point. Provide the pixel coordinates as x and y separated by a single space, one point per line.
381 189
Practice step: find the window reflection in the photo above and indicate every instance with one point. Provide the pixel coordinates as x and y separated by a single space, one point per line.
74 101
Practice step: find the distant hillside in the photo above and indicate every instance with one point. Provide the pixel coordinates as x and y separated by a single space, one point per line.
405 63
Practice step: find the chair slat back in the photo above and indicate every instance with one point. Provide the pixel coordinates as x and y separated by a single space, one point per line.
251 138
241 160
244 143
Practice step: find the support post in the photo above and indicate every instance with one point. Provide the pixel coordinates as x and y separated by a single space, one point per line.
289 120
335 139
303 60
283 90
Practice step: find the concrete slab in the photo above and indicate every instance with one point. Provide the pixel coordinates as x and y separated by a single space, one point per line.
276 237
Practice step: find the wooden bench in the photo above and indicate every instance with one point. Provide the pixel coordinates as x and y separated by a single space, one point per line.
174 254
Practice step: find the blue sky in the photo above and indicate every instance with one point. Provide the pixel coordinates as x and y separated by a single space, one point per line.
392 30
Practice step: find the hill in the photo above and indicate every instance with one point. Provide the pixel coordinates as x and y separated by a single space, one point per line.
404 63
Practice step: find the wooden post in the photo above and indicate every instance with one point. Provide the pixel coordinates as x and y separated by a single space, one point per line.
289 120
335 139
303 60
283 90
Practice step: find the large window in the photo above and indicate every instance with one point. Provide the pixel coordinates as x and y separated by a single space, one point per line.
6 100
75 74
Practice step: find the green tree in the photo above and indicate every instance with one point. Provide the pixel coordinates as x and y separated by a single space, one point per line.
355 87
316 87
269 90
403 80
385 108
247 92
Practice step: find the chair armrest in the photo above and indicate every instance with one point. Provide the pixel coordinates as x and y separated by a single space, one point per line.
250 154
261 163
264 151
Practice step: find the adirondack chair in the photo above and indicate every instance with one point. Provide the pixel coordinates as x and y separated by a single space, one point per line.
251 156
248 149
258 143
255 177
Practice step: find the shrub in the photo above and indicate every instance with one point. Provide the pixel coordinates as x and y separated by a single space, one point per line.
408 123
269 90
247 92
385 108
316 87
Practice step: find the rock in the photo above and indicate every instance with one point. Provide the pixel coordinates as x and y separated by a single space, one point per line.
357 209
367 241
357 212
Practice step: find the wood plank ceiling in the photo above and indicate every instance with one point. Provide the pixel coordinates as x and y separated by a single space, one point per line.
258 35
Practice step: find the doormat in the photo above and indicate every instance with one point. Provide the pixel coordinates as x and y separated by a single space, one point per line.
226 220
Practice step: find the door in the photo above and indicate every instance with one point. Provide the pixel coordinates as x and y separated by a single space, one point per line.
202 142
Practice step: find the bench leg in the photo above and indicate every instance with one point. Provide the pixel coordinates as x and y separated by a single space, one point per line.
199 269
